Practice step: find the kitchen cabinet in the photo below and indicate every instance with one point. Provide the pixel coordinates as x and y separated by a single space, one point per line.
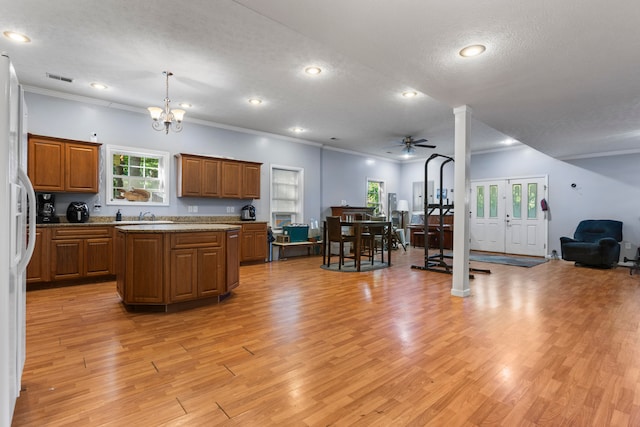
197 266
176 263
56 164
198 176
233 259
250 181
231 187
38 268
254 242
203 176
80 252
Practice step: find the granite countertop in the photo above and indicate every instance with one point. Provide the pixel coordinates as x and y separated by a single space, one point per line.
175 228
108 220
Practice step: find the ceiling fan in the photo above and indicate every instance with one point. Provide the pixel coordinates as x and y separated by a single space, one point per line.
409 145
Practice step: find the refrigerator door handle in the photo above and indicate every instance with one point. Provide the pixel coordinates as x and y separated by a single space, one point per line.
31 196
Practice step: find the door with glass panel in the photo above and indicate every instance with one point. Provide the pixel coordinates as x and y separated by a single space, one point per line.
526 224
487 222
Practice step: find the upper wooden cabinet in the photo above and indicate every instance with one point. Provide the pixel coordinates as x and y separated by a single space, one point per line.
202 176
56 164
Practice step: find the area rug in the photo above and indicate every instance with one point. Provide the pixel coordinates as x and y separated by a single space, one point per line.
507 259
350 268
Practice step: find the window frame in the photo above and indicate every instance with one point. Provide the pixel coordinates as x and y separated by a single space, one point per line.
295 217
164 173
382 202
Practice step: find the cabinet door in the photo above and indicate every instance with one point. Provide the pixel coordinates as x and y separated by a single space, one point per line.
250 181
81 168
98 257
144 268
233 260
231 180
46 164
191 175
247 248
67 259
184 275
210 178
38 268
260 242
211 272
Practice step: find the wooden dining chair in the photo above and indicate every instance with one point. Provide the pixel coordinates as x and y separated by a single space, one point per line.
334 234
377 238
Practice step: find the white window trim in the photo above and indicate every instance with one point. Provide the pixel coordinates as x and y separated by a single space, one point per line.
300 214
164 173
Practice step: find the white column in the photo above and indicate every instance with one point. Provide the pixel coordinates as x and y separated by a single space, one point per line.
460 286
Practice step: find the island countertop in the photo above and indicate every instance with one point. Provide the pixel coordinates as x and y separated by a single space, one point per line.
175 228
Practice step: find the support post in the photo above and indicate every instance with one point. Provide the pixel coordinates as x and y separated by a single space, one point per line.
460 284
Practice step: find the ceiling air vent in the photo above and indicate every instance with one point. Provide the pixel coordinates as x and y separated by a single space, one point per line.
61 78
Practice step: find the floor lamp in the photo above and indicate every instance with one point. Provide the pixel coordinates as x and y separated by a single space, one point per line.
403 206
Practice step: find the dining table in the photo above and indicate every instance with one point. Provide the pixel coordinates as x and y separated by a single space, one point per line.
358 226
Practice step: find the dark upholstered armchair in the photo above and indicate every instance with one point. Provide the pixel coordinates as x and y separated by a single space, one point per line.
595 243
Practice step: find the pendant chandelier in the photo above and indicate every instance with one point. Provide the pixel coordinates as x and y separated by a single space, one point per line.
165 119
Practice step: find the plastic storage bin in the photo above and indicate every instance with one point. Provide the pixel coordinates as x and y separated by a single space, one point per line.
296 232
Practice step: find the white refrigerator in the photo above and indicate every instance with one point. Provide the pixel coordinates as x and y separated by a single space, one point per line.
17 210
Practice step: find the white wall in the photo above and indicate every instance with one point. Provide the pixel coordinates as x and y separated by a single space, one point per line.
63 118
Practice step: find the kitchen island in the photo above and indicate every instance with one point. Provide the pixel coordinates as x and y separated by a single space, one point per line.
174 266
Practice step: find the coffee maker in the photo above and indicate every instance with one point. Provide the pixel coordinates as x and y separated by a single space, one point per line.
46 209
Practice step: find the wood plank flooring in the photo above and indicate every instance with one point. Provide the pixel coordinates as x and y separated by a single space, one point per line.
296 345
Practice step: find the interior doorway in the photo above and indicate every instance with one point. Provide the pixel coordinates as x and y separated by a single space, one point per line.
507 216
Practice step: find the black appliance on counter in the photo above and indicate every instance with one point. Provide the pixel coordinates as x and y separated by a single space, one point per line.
248 213
78 212
46 213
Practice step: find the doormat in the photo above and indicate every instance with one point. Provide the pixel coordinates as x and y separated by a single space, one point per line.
349 266
507 260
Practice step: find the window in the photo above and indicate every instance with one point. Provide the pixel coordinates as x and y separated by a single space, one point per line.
375 195
286 195
137 177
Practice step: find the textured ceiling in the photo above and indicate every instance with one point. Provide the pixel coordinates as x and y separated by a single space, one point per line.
558 76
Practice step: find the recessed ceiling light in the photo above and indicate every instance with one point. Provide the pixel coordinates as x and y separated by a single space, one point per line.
255 101
99 86
185 105
297 130
509 141
410 94
313 70
16 37
472 50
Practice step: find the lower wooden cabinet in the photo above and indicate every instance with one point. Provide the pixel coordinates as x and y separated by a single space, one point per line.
254 242
38 268
171 267
71 253
197 273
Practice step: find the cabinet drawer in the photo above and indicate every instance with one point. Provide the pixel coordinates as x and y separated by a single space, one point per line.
193 240
80 232
254 227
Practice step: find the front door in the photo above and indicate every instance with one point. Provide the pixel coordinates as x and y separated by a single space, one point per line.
487 224
506 216
526 224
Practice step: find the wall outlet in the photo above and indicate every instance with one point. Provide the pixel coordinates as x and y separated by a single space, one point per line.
230 209
195 209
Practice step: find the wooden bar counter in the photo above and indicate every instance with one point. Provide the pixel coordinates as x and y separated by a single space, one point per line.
173 266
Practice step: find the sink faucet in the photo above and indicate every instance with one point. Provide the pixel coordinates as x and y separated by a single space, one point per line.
143 215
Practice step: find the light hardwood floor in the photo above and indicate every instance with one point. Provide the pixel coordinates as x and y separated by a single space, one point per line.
296 345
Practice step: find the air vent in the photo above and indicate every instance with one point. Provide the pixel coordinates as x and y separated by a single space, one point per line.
61 78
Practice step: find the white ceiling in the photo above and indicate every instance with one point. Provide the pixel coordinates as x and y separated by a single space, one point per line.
561 77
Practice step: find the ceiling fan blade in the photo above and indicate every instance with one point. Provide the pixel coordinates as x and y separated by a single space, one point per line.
425 145
418 141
